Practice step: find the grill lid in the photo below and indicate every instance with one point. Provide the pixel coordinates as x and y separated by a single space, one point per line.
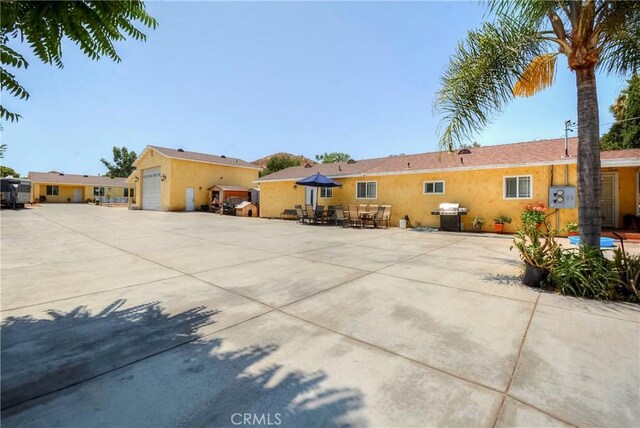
449 206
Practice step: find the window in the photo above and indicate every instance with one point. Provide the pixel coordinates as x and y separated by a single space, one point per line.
434 187
326 192
518 187
98 191
128 192
53 190
366 190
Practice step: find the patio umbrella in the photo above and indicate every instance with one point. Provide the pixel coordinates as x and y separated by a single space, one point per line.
318 180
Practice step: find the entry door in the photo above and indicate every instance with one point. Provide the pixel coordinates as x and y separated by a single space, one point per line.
190 205
151 189
77 195
310 196
609 200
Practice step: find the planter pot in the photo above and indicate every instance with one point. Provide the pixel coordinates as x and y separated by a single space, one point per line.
534 275
477 227
538 226
499 227
573 233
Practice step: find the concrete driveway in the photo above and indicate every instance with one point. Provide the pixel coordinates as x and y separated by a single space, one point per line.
123 318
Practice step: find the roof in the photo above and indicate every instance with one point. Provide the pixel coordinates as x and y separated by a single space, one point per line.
198 157
229 188
78 179
540 152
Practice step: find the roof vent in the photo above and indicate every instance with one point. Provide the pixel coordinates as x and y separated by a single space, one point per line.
464 152
61 173
307 165
223 157
85 175
351 161
408 165
181 151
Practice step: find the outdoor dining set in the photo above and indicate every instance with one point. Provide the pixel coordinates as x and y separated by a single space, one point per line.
354 215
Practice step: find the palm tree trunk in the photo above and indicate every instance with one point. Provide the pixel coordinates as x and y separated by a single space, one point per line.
589 182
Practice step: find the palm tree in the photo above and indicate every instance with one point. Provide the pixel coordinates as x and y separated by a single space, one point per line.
516 55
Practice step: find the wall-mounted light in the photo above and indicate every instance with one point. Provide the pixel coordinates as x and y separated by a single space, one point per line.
295 186
136 178
221 178
163 177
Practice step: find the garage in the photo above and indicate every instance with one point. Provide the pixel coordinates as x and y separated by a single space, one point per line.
151 189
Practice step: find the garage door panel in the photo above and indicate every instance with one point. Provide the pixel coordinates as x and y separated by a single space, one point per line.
151 189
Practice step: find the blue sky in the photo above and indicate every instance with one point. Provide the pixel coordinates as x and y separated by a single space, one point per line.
251 79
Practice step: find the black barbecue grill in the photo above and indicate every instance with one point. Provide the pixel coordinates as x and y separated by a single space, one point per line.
450 216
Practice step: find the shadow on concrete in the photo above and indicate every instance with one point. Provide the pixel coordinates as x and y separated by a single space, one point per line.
203 383
503 279
41 355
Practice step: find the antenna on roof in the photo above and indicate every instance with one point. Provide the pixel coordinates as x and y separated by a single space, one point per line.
568 127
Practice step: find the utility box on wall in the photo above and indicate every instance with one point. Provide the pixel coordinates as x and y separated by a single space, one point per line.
562 197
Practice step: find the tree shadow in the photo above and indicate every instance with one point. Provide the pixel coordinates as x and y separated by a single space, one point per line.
65 366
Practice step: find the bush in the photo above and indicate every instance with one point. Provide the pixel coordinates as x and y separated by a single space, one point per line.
533 214
628 267
586 273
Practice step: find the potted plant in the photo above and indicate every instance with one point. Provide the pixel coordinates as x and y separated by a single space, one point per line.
477 223
572 229
533 214
500 221
538 250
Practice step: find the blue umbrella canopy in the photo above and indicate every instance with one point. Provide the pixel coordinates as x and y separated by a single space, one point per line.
318 180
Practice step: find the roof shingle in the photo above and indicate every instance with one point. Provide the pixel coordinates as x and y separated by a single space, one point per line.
531 152
203 157
85 180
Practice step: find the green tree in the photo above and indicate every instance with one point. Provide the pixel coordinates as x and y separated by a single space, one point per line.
516 55
625 132
473 145
333 157
122 165
5 171
279 162
93 25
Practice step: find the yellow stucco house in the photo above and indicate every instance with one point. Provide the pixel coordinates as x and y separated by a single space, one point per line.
56 186
177 180
488 181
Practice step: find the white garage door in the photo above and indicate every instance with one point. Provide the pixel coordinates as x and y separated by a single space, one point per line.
151 189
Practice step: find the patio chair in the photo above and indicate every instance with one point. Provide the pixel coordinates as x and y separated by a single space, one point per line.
319 213
339 216
302 216
378 218
311 213
373 208
354 217
386 218
331 213
362 208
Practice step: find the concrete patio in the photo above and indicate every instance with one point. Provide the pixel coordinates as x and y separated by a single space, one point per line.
127 318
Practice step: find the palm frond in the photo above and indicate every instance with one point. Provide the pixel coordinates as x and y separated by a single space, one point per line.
539 75
620 39
480 77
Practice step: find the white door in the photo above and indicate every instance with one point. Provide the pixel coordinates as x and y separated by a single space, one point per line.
190 199
609 200
310 196
77 195
151 186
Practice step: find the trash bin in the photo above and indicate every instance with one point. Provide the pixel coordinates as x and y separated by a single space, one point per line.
403 223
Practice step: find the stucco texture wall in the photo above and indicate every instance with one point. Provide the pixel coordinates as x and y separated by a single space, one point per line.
202 176
481 191
181 174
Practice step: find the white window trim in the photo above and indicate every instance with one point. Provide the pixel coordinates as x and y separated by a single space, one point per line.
326 189
53 186
424 187
504 187
368 181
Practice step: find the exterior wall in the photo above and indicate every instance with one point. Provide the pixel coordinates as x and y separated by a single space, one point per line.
202 176
627 191
481 191
66 192
154 159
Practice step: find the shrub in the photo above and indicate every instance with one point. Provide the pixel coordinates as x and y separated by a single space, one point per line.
586 273
537 248
502 219
572 227
628 268
533 213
